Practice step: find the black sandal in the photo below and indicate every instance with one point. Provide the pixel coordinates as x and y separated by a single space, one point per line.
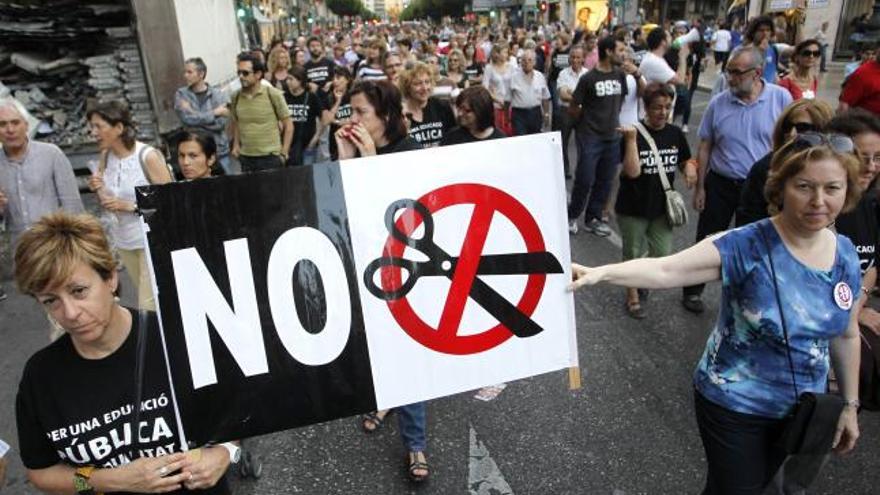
374 421
414 464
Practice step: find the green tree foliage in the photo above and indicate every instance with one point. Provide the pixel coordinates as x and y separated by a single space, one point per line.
346 7
435 9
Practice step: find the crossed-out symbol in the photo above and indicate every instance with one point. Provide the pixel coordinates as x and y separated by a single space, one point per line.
463 271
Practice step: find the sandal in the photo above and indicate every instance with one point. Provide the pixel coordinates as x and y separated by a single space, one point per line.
372 422
414 464
634 310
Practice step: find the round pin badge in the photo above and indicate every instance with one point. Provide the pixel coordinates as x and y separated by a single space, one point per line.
843 296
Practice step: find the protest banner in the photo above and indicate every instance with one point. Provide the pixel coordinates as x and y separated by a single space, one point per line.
306 294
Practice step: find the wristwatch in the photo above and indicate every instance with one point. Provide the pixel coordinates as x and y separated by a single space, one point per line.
81 481
234 451
854 403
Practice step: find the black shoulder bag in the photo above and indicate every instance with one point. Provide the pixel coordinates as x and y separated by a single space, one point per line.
812 422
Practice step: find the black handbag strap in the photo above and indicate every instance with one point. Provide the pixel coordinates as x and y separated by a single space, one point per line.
781 311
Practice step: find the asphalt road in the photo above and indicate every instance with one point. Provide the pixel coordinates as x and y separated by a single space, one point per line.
630 428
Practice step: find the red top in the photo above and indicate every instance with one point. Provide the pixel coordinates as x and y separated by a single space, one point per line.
796 91
862 88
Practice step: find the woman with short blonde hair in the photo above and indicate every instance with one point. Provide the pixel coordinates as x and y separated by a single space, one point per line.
66 263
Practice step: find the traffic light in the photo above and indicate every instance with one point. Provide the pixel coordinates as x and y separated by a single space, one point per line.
542 6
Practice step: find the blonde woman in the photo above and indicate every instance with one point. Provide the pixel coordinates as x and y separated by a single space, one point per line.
455 69
430 119
496 78
65 262
277 68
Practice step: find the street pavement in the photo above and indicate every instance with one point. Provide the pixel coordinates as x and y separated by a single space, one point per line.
629 430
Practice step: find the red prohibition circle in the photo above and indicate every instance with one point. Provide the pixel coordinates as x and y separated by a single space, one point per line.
479 195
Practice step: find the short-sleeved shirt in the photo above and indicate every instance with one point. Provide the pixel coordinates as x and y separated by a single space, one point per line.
527 91
771 64
474 71
796 91
568 79
745 366
305 109
741 133
722 40
319 71
860 226
643 196
862 88
78 411
257 117
655 69
342 116
437 120
460 135
559 61
600 96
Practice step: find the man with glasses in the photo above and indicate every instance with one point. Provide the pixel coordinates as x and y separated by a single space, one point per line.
257 112
862 88
736 131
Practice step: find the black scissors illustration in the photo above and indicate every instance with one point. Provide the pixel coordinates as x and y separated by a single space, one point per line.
441 263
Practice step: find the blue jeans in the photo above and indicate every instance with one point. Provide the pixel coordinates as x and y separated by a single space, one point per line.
412 423
597 163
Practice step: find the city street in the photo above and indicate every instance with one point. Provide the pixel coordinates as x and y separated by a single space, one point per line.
629 429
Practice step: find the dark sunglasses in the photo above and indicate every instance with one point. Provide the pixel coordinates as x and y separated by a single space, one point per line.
837 142
245 73
811 53
802 127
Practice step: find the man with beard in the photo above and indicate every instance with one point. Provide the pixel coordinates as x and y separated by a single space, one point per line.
595 106
319 69
257 112
736 131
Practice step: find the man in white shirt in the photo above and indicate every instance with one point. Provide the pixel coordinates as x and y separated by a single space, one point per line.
721 42
654 67
529 97
565 84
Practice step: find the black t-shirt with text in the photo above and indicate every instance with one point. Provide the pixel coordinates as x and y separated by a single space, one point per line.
320 72
474 71
460 135
437 120
558 62
79 411
643 196
342 116
600 96
860 225
304 109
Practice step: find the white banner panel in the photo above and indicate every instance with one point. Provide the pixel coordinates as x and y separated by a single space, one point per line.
484 306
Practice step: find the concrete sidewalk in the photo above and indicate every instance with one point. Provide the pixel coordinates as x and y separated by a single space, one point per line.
829 82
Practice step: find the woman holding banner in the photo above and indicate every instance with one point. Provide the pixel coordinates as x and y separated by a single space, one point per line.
378 127
74 408
751 374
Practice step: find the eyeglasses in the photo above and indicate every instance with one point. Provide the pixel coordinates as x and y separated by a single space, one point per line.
739 73
868 159
245 73
837 142
811 53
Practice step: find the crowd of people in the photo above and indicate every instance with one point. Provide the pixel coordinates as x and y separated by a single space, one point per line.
796 175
